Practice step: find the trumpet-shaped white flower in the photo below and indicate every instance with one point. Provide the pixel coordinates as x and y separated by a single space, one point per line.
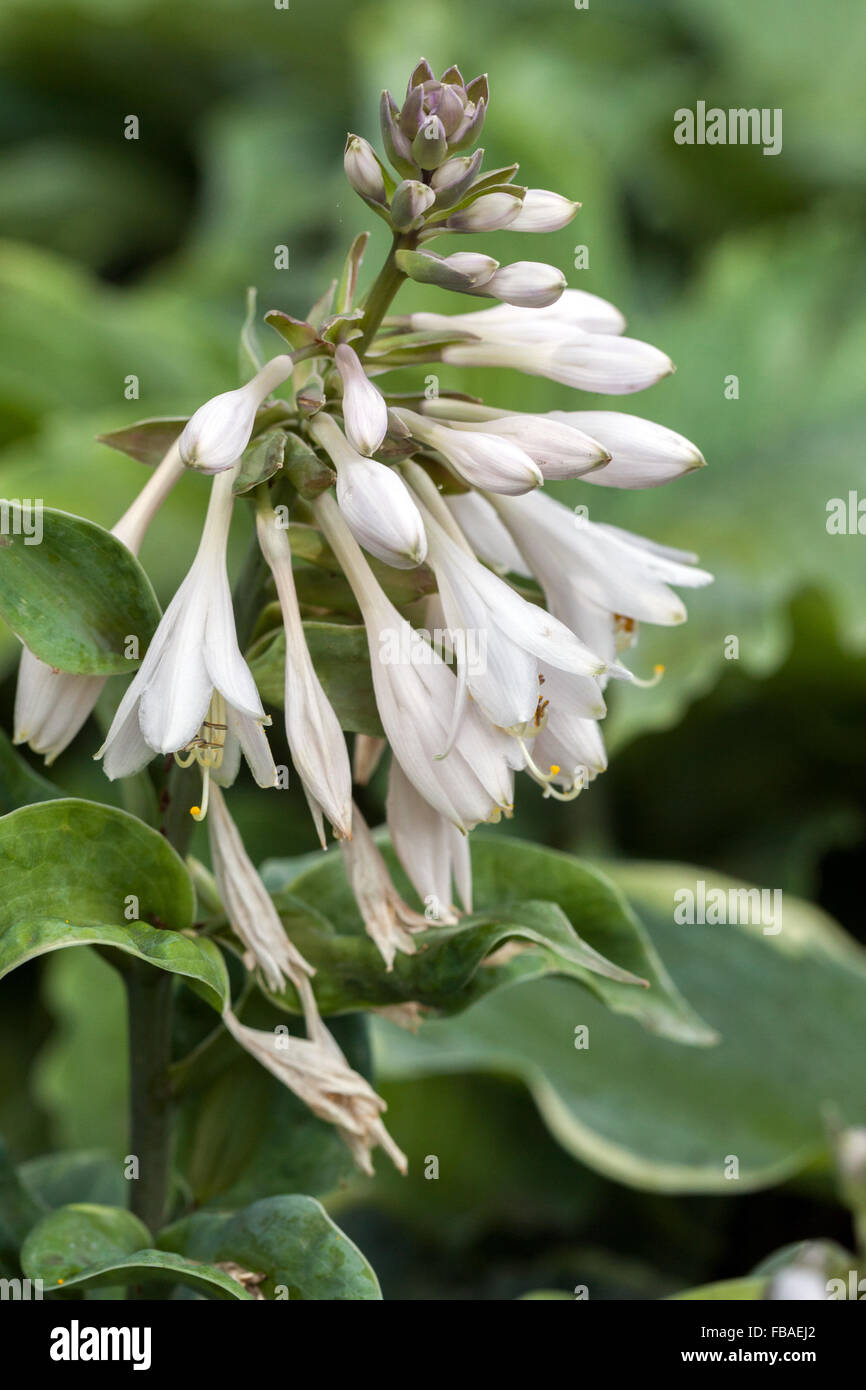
518 636
576 560
52 706
506 323
642 454
432 851
560 449
364 410
483 460
485 533
587 361
416 694
248 905
388 919
374 500
568 749
219 431
530 284
316 1071
543 211
194 652
313 731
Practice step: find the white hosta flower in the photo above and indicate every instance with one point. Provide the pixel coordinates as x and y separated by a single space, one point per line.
642 454
313 731
220 430
481 459
194 653
529 284
52 706
432 851
316 1071
568 749
576 560
387 918
518 636
374 500
587 361
364 410
544 211
416 694
486 534
560 449
363 170
507 323
248 905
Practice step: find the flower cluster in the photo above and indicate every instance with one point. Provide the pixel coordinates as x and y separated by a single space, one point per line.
392 482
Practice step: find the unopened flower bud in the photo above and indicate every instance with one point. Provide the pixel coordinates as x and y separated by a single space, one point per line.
397 147
488 213
451 180
409 204
543 211
364 410
465 270
363 170
527 284
430 146
220 430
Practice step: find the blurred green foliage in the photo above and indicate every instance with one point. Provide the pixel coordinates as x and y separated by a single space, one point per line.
122 257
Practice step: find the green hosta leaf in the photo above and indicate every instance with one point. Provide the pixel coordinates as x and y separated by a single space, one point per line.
89 1246
72 870
291 1240
20 785
445 972
76 597
341 658
579 919
61 1178
309 474
654 1115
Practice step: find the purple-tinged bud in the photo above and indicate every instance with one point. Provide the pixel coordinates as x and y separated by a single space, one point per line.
421 73
430 146
397 147
364 171
410 203
451 180
412 115
470 127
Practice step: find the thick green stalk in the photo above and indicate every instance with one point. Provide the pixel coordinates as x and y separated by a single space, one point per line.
382 291
148 994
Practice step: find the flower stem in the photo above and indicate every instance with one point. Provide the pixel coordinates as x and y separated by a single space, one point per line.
148 994
382 291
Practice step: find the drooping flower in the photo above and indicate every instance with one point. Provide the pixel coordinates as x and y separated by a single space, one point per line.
52 706
313 731
432 851
374 500
194 652
387 918
248 905
416 694
316 1071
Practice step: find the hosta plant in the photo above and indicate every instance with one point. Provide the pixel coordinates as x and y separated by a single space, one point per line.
411 580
